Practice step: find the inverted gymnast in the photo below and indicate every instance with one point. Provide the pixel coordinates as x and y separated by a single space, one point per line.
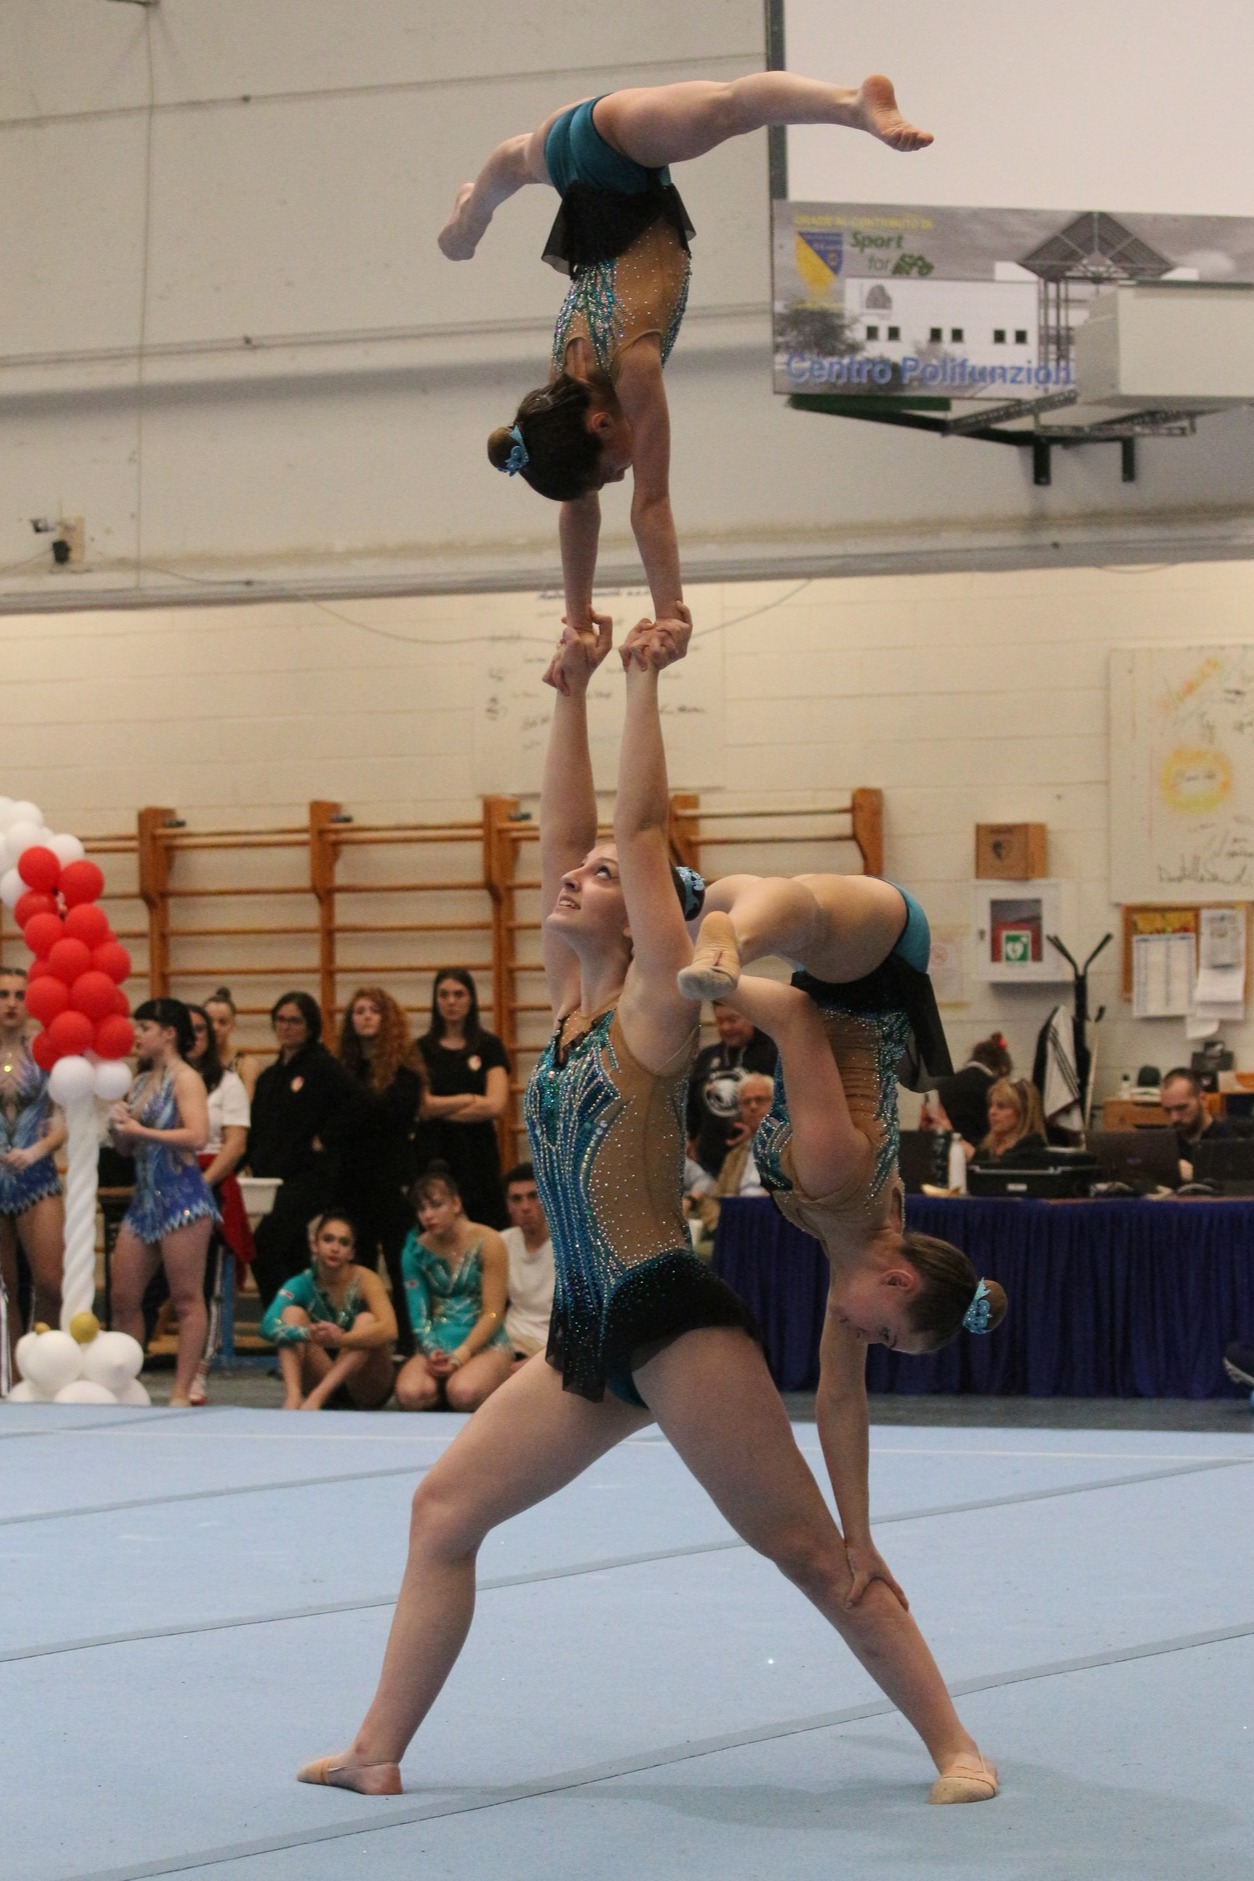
642 1331
622 234
858 1014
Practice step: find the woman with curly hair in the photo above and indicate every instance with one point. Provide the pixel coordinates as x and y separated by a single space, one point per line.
373 1135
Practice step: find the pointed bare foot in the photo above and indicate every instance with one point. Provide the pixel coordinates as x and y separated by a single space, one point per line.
456 241
966 1780
875 110
341 1773
715 968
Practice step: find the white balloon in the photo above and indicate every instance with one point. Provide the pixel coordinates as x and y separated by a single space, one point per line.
67 849
6 812
21 1349
25 1393
112 1078
112 1359
46 834
132 1393
82 1391
12 887
24 811
71 1079
53 1361
22 836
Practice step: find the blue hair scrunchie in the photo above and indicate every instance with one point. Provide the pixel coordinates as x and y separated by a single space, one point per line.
691 891
976 1317
518 457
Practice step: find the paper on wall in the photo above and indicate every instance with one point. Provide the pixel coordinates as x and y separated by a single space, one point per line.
1219 990
1162 975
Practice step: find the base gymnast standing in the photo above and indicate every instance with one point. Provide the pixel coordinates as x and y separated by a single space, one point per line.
622 234
641 1331
858 1016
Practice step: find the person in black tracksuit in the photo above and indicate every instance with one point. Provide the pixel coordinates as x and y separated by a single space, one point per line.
294 1109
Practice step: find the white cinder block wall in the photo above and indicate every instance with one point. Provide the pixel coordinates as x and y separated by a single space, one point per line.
972 698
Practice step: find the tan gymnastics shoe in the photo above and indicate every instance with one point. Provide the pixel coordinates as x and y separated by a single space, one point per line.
715 967
368 1779
971 1780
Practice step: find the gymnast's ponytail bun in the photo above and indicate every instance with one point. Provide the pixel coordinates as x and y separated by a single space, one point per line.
952 1294
500 447
549 444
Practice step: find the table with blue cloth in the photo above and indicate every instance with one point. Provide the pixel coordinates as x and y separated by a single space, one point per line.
1108 1299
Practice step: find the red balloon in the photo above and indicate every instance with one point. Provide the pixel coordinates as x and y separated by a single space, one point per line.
114 1037
68 959
43 1051
38 970
87 923
92 993
113 959
40 868
120 1002
46 997
42 933
31 904
81 881
71 1032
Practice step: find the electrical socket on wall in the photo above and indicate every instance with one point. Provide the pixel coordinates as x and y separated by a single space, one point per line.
69 542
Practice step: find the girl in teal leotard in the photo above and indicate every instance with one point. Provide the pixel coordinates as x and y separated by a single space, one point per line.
622 235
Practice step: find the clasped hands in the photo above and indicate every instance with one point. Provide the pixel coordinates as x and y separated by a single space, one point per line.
650 646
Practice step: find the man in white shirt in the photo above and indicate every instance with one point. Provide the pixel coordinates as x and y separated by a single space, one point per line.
530 1266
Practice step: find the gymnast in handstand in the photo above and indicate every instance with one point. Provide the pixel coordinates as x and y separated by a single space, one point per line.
622 235
858 1017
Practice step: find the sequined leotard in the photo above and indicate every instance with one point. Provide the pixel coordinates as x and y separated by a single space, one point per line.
170 1191
868 1048
25 1112
443 1300
607 1141
615 302
303 1290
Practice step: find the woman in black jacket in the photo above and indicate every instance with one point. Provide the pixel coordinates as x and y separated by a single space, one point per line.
373 1136
295 1106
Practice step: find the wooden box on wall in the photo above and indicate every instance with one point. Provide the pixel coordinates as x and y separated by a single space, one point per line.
1010 852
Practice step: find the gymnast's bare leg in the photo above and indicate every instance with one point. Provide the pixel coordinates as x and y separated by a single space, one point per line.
838 927
656 125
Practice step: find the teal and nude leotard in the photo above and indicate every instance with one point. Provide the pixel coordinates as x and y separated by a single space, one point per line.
622 234
607 1142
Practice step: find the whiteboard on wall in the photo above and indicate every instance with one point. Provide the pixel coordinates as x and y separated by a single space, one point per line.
513 714
1182 772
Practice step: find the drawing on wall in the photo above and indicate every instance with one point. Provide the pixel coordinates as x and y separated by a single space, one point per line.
1182 771
512 718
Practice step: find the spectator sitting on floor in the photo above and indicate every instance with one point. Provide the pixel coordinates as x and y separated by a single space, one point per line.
456 1284
467 1090
531 1275
296 1099
335 1306
1183 1103
739 1173
960 1102
1016 1122
713 1117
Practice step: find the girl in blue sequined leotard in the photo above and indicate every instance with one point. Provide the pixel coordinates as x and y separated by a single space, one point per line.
622 235
31 1132
640 1328
163 1123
